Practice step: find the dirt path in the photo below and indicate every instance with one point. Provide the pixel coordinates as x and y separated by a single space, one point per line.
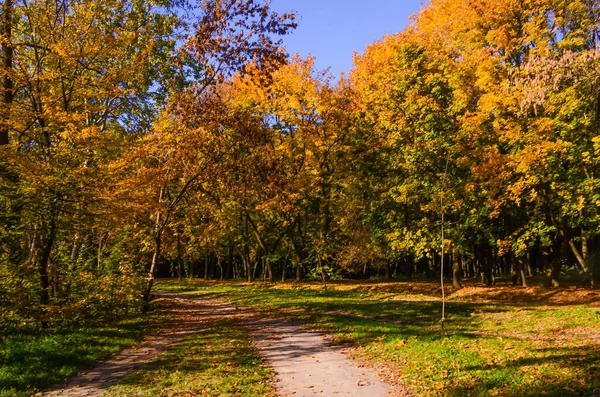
304 363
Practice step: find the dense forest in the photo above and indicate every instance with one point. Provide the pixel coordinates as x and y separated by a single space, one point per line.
146 137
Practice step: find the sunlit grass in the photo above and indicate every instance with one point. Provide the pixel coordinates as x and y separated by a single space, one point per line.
484 349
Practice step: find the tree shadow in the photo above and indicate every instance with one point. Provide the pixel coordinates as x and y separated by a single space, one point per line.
547 385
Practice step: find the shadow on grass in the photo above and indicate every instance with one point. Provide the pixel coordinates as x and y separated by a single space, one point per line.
548 383
370 319
30 362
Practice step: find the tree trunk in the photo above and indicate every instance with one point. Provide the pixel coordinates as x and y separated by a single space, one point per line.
559 250
255 268
555 273
101 240
229 273
179 258
206 267
7 86
489 267
456 283
299 251
528 264
44 258
430 266
158 229
44 281
154 264
74 249
581 258
409 266
518 271
285 263
246 264
219 265
269 270
522 271
388 270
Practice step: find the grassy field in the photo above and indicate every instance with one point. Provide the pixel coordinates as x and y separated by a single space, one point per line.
30 362
495 341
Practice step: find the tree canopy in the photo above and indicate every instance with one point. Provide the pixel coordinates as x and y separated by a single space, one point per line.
168 137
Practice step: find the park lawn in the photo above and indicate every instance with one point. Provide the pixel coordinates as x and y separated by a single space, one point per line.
506 348
31 361
216 361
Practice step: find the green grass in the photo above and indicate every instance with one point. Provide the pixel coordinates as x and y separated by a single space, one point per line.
217 361
30 362
484 350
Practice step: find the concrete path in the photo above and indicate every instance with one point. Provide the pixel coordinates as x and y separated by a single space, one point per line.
307 365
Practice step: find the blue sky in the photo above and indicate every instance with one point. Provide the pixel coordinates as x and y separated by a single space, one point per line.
332 30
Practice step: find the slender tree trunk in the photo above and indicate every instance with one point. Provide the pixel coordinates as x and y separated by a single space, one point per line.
409 266
158 229
456 283
518 271
285 263
220 266
514 269
229 269
75 248
44 259
559 250
206 267
255 268
44 280
246 264
251 267
431 266
7 85
522 271
528 264
269 270
238 269
582 259
555 272
154 264
179 258
101 244
487 265
299 251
